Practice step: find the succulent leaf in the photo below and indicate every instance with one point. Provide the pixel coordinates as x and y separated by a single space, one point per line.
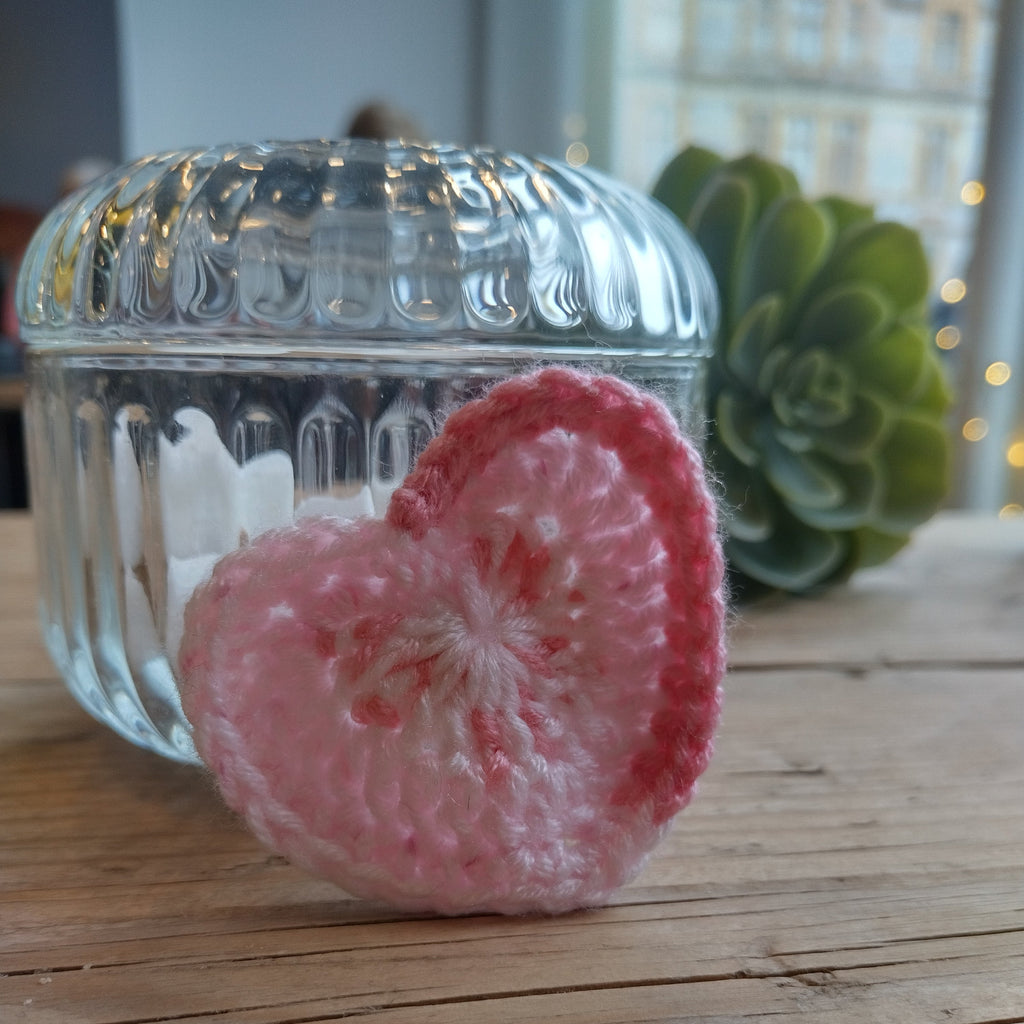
843 315
863 487
752 499
789 244
873 547
859 434
815 393
754 337
896 363
798 558
721 220
935 396
913 449
845 212
795 439
770 180
774 371
684 175
737 427
801 479
826 395
887 255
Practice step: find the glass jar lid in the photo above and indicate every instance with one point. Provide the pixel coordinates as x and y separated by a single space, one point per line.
350 243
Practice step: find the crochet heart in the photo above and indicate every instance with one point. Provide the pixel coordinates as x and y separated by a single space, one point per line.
495 698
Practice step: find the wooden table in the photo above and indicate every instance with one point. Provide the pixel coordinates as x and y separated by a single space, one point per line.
856 852
12 393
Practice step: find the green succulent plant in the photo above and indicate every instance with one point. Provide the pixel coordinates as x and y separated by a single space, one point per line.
827 399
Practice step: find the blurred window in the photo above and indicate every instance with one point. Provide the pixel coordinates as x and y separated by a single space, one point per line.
881 100
884 101
807 31
947 54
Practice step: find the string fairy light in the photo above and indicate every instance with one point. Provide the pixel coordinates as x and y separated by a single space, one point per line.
997 373
953 290
1015 455
972 193
975 428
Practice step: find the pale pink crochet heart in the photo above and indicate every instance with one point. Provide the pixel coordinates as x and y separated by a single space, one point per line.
497 697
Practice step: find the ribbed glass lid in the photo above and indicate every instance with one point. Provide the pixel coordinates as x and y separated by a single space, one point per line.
347 242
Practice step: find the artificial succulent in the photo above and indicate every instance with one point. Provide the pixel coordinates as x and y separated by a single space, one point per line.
827 399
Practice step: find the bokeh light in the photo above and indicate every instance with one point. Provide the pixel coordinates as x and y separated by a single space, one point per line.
972 193
953 290
577 154
997 373
975 429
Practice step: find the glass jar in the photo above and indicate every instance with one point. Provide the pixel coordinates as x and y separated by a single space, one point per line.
223 341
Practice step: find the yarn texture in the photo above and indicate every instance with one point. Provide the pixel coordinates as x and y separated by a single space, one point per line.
496 697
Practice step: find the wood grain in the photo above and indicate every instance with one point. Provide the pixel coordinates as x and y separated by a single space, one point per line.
953 596
854 854
22 655
12 393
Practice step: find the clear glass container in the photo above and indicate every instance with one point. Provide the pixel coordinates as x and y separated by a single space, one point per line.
220 342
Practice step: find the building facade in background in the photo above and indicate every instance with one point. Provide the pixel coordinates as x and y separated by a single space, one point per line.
880 100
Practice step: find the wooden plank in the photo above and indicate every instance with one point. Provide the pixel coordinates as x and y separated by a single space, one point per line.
857 824
897 607
807 763
916 609
22 654
854 853
952 597
984 991
12 393
982 973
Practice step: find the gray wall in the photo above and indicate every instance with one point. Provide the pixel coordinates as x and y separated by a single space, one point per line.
120 78
505 72
58 93
200 72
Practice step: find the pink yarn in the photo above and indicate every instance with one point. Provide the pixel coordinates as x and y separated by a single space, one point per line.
497 697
